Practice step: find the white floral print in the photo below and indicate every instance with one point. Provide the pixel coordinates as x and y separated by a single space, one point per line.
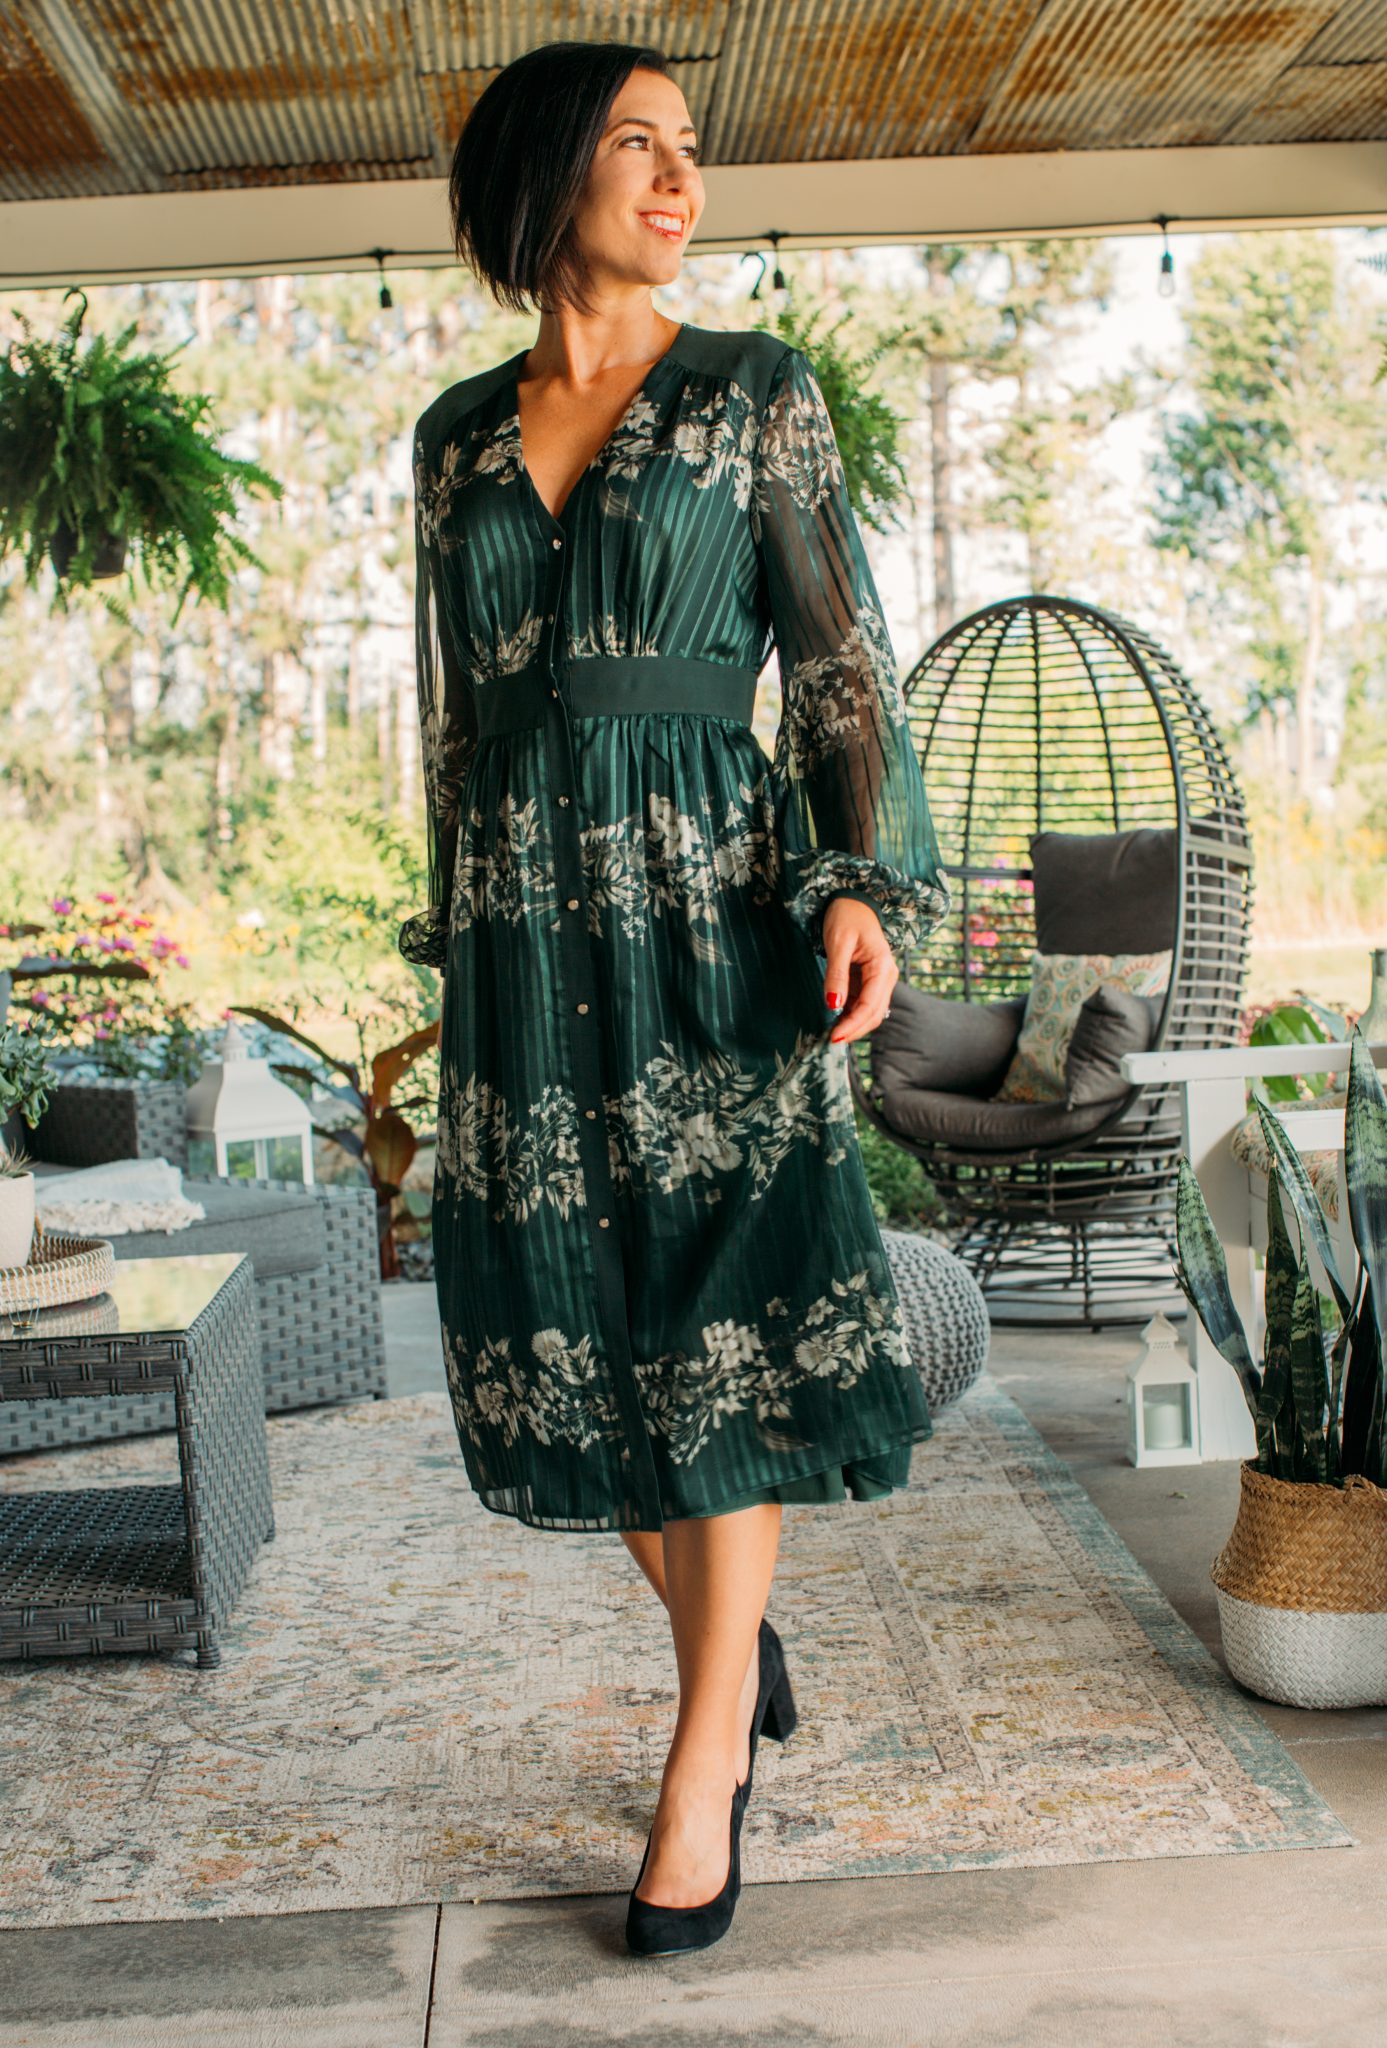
525 1155
563 1395
841 1336
560 1394
685 1122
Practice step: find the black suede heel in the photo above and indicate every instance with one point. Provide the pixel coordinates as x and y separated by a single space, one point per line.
776 1714
653 1930
782 1715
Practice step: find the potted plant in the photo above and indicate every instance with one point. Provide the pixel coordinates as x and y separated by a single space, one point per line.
1302 1579
25 1081
98 452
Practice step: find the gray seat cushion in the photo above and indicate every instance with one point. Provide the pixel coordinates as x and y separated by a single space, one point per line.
280 1233
1105 892
931 1041
932 1116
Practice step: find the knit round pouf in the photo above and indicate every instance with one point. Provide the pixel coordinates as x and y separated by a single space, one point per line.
944 1314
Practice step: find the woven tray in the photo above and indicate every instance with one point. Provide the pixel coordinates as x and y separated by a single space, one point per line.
59 1269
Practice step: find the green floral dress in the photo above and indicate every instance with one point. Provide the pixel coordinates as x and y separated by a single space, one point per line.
662 1286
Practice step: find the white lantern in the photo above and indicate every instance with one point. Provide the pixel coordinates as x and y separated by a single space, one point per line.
244 1124
1162 1400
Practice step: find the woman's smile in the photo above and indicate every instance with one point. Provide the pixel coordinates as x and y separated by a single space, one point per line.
670 225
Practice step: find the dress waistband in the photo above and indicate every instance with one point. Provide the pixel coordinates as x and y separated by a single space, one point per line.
613 685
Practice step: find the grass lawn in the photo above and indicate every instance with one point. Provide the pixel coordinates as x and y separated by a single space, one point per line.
1337 974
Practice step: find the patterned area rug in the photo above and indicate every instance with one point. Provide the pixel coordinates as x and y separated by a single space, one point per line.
422 1701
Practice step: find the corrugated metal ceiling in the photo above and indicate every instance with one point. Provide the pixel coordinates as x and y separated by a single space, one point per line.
108 97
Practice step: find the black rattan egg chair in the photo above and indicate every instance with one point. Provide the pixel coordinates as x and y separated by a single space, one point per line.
1084 804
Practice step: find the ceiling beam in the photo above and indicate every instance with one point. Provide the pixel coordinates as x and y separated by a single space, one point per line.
260 230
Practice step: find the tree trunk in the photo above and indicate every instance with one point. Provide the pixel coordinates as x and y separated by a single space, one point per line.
941 468
1309 679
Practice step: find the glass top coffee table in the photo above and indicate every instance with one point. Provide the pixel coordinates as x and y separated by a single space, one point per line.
95 1571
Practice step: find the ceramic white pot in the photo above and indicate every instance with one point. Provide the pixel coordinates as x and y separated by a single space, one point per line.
16 1218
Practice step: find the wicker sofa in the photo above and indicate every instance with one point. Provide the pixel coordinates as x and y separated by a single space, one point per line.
313 1249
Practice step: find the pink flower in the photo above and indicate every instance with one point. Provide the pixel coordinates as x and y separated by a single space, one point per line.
62 905
104 896
1026 888
181 960
40 999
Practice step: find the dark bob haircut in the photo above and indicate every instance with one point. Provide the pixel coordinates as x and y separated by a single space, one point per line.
521 161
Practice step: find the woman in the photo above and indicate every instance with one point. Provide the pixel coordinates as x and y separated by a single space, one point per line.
665 1302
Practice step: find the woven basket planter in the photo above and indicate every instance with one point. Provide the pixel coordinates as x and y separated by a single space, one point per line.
1302 1591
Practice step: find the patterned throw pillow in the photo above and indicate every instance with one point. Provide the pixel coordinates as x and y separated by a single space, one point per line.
1061 983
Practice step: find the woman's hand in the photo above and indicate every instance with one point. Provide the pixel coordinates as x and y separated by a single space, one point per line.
861 966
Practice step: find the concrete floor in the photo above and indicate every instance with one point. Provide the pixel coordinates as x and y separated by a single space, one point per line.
1280 1950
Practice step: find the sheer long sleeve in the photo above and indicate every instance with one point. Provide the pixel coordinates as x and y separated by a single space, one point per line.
854 818
447 724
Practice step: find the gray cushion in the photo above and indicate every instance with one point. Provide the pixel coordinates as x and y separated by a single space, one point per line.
931 1041
974 1126
1105 892
280 1233
1111 1022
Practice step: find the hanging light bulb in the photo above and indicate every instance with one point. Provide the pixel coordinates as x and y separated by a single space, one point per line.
1165 281
385 299
777 275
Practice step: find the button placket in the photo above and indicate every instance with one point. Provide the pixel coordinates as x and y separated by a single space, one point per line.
578 972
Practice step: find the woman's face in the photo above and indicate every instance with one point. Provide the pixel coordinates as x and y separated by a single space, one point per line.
645 163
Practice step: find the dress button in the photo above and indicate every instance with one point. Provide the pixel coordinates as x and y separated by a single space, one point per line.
590 1113
553 693
573 903
558 543
563 799
604 1222
582 1009
548 618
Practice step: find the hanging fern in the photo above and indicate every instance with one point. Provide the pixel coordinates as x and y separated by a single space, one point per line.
96 446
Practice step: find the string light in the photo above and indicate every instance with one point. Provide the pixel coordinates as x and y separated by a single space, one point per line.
385 299
777 276
1165 281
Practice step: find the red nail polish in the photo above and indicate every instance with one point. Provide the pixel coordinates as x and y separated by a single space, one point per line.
833 999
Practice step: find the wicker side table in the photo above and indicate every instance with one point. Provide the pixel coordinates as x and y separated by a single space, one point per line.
143 1568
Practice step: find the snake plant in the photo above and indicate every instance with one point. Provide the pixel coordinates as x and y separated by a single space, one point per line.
1317 1397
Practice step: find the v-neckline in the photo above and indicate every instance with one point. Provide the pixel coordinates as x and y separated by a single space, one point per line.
557 518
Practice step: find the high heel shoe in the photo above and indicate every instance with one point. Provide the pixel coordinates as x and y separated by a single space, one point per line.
775 1714
653 1930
